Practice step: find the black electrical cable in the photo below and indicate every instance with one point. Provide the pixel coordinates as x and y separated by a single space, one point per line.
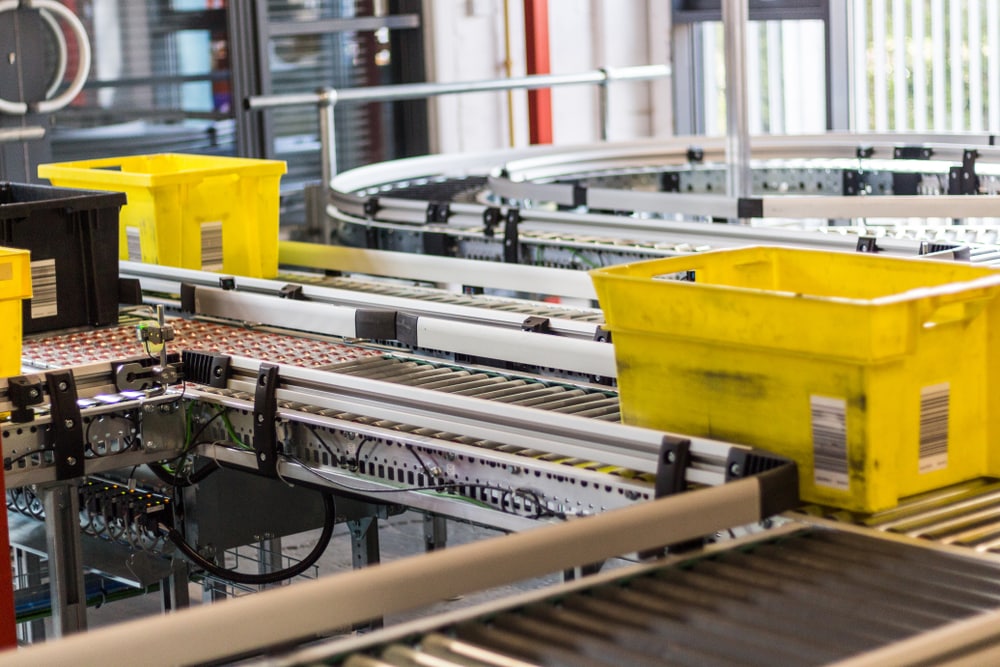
248 579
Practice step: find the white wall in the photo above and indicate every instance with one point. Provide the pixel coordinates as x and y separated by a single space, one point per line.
466 41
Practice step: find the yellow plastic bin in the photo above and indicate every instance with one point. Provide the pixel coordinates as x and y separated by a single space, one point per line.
193 211
15 285
876 375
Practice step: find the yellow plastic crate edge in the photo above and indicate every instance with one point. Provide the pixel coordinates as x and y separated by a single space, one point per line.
16 285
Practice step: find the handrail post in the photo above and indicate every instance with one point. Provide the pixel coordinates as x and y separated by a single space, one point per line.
734 19
604 109
328 134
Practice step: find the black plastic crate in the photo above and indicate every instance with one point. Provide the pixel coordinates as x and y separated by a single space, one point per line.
73 239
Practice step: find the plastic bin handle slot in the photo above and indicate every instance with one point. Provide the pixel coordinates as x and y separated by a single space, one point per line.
953 303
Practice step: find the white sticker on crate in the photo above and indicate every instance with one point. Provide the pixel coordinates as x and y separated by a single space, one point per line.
211 246
43 288
134 240
934 405
829 439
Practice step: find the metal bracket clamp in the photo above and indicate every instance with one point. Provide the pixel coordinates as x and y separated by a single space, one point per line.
67 425
265 412
536 324
511 242
867 244
912 153
963 180
671 466
674 459
491 218
852 183
670 181
292 292
437 212
23 393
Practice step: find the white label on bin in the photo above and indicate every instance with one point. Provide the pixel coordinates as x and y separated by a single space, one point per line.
934 405
43 289
211 246
134 240
829 438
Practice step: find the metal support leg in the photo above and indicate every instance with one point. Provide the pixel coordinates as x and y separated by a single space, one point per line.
435 532
582 571
364 541
27 574
365 551
62 537
174 594
269 558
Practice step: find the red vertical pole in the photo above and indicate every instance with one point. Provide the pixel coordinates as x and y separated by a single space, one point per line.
8 621
536 37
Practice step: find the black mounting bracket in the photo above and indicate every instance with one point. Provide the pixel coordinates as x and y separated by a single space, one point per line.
536 324
852 183
206 368
912 153
670 181
292 292
867 244
67 425
265 413
671 466
511 242
437 212
963 180
23 393
491 218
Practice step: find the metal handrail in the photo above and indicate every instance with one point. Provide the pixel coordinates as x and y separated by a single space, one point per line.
326 99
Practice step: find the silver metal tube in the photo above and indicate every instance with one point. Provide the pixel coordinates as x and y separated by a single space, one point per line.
328 134
21 133
734 19
604 106
421 90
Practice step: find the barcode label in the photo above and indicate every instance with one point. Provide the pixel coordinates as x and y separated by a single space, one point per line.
211 246
43 289
934 427
829 437
134 241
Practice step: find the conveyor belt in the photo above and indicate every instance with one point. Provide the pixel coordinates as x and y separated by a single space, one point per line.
813 597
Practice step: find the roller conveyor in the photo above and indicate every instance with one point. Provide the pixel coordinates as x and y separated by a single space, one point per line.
582 401
521 306
592 206
801 596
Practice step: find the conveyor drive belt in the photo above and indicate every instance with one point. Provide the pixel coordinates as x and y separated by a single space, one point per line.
813 597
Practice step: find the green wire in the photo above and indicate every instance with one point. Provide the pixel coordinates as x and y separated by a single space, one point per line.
583 260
